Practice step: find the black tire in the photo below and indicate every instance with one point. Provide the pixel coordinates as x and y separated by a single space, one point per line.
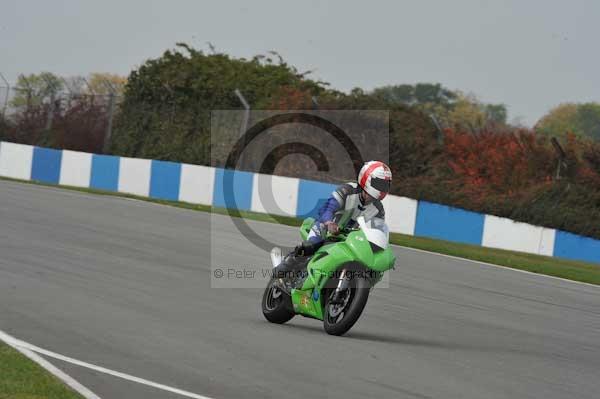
276 309
359 294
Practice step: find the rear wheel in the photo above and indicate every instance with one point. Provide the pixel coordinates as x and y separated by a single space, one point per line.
276 304
340 315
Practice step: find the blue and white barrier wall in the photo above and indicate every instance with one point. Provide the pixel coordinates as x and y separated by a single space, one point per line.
279 195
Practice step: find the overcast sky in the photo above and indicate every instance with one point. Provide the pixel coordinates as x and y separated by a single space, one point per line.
529 54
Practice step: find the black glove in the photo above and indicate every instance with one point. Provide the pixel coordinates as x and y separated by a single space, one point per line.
299 250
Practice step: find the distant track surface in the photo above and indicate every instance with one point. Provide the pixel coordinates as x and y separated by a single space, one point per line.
126 285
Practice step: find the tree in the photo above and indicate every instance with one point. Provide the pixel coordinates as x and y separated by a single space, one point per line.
421 93
466 112
433 93
166 109
31 90
398 94
96 83
450 108
583 120
496 113
588 118
101 83
559 121
49 110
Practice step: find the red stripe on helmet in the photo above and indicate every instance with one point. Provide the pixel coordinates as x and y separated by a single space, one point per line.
368 172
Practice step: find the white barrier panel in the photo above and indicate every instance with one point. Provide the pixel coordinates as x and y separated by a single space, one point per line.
196 184
75 168
547 241
277 195
16 160
400 214
269 194
506 234
134 176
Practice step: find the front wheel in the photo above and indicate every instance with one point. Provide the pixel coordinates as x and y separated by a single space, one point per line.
341 315
276 304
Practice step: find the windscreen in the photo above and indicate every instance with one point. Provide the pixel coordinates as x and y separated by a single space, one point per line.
377 232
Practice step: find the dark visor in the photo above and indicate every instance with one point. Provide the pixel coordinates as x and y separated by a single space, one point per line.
380 184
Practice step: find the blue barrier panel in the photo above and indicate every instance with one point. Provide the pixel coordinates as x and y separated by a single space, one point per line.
233 189
451 224
105 172
572 246
46 165
311 196
164 180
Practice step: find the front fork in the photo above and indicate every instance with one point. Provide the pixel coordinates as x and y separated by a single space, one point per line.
343 284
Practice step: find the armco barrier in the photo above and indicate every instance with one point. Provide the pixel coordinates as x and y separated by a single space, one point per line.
278 195
105 172
75 169
311 195
450 224
165 178
507 234
46 165
568 245
265 201
197 184
134 176
239 182
16 160
401 214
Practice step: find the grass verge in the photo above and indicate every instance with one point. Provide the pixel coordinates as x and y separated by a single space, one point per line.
564 268
568 269
21 378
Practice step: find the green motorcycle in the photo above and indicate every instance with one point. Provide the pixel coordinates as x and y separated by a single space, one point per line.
333 284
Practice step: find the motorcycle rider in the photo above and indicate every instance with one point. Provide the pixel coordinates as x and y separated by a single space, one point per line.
341 210
351 200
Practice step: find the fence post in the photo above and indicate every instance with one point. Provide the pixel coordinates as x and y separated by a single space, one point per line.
561 156
23 79
244 125
5 97
51 109
111 113
440 132
50 117
92 92
67 86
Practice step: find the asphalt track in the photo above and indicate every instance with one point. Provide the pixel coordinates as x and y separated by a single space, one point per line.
126 285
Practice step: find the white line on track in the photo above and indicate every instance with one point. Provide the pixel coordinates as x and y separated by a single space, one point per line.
83 391
30 351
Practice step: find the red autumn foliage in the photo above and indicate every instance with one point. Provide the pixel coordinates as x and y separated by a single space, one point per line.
497 163
289 97
77 124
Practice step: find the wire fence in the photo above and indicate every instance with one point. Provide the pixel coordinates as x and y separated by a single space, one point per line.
64 114
71 114
515 174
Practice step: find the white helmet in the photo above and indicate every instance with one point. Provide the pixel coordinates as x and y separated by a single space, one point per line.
375 178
